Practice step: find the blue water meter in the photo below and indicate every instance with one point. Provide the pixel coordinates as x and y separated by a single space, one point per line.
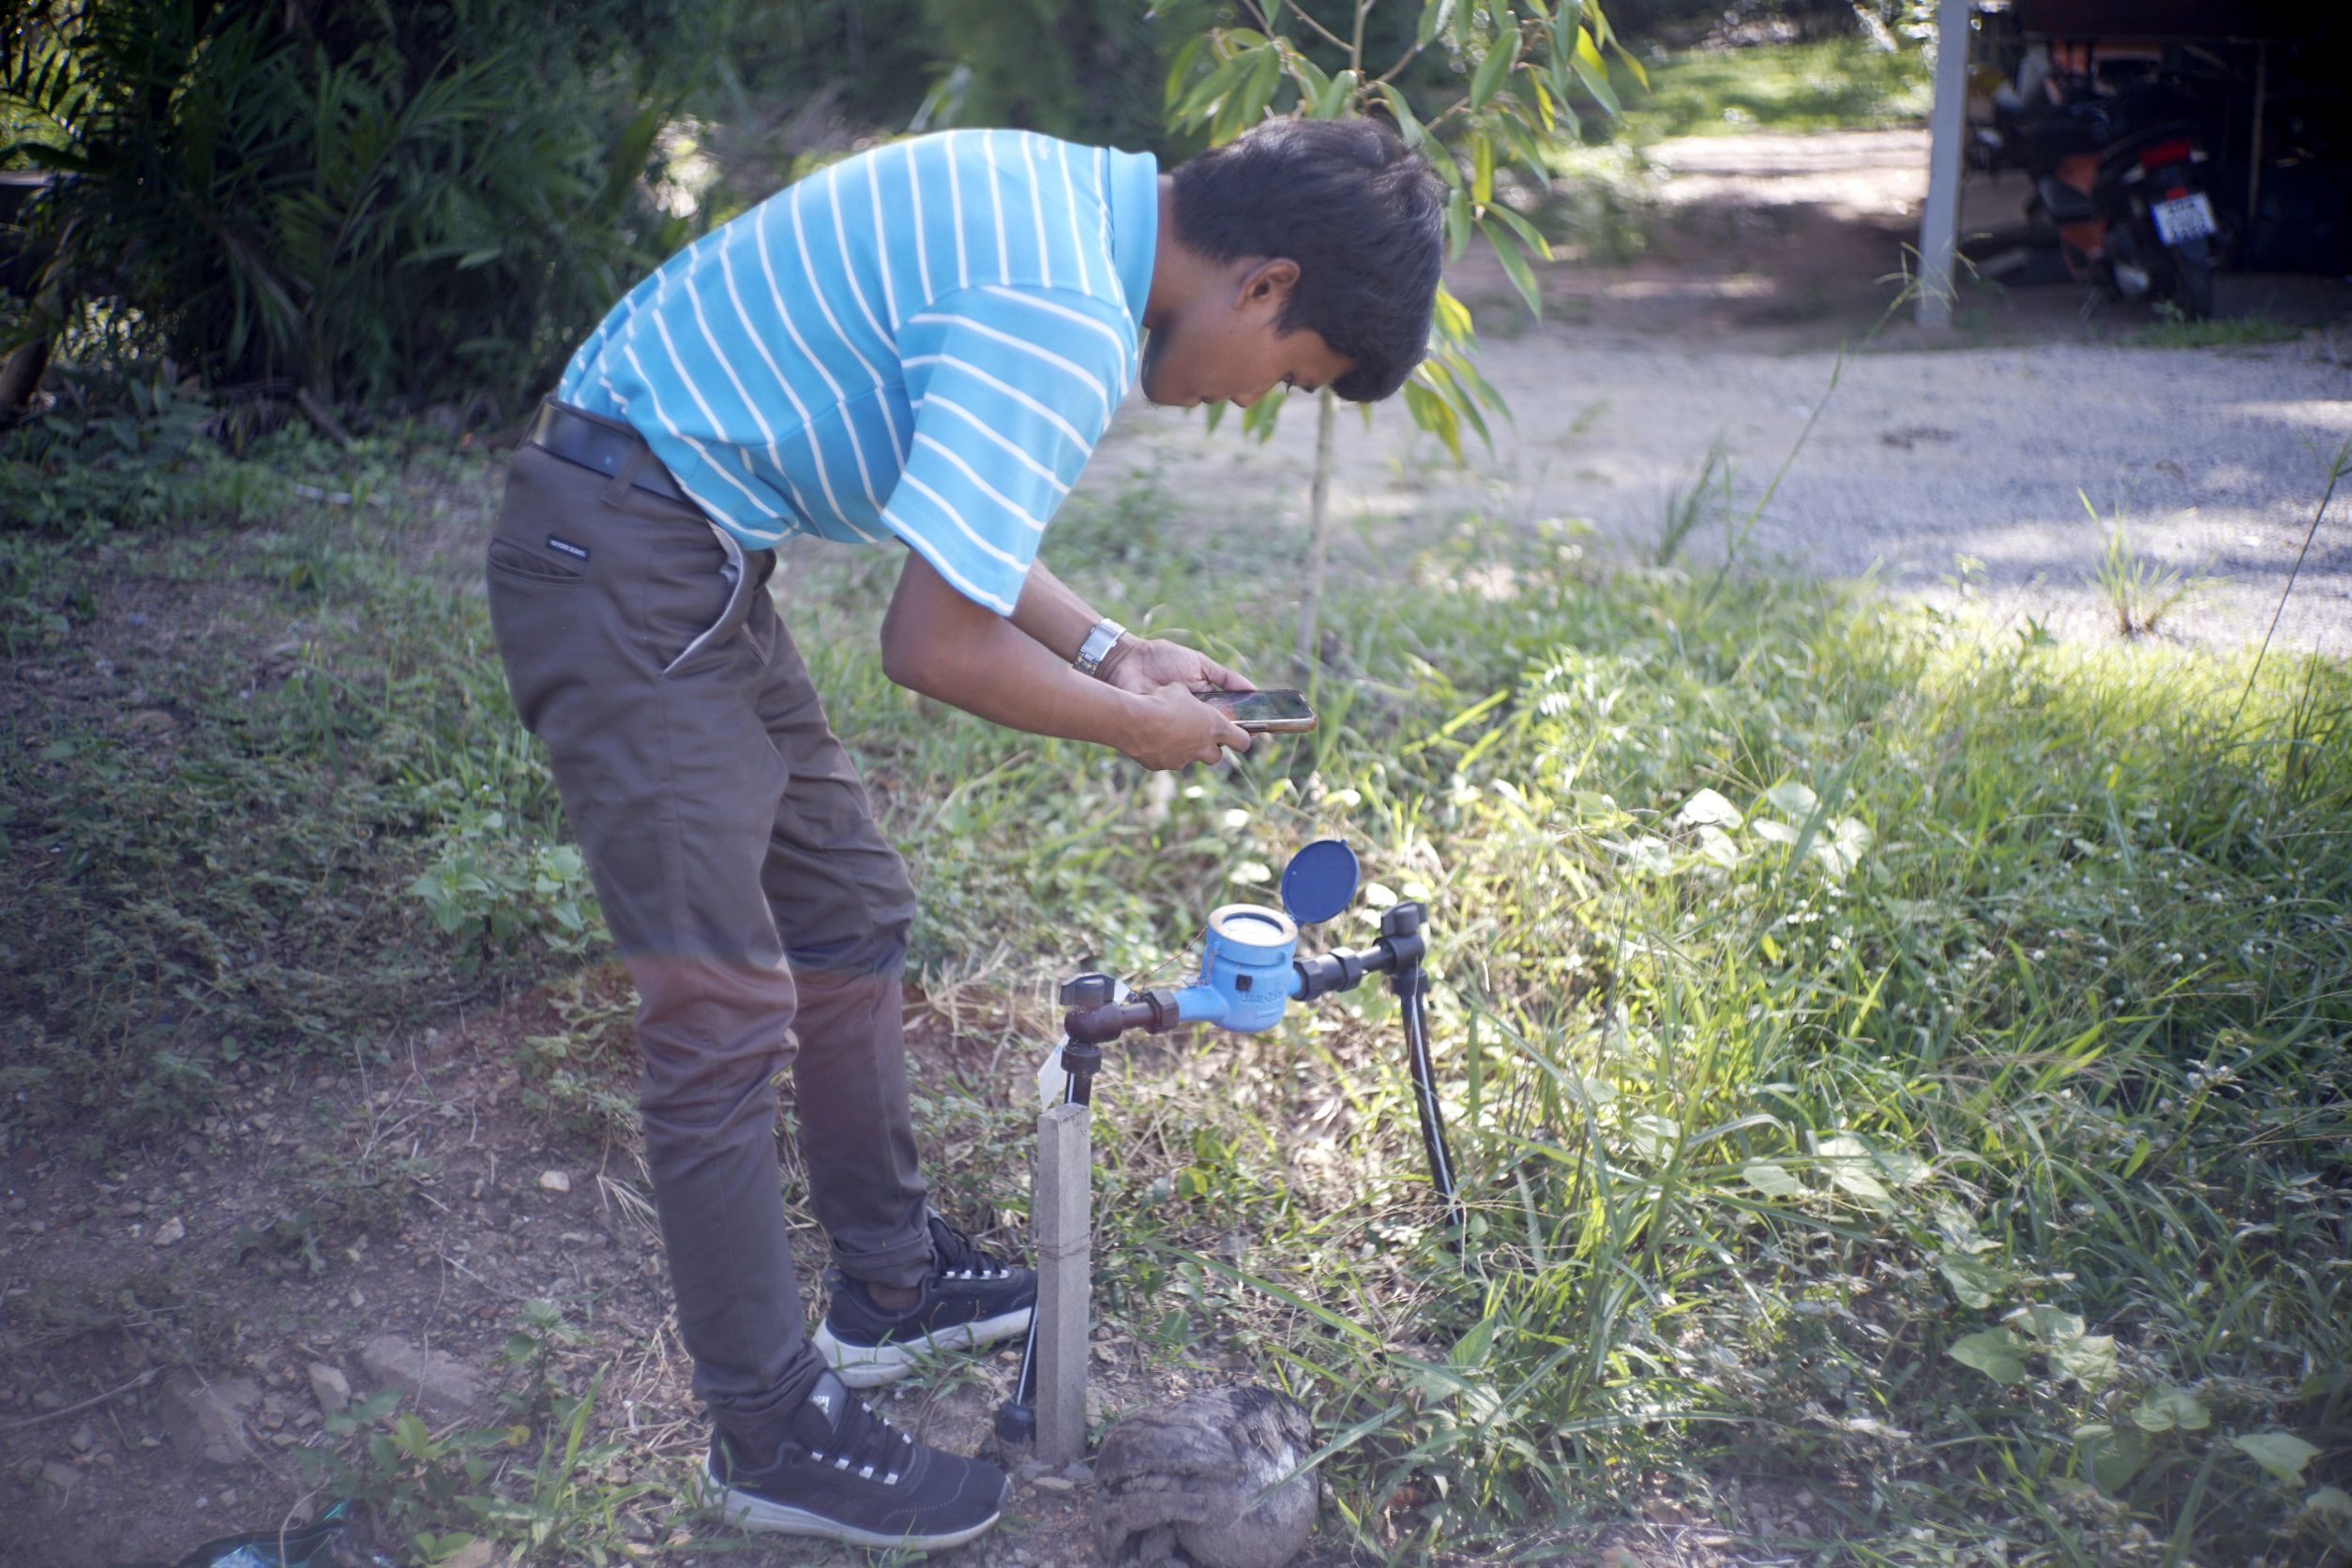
1246 972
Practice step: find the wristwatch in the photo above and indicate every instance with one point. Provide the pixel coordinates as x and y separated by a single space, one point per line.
1098 646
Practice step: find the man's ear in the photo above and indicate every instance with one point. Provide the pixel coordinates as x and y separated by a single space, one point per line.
1268 284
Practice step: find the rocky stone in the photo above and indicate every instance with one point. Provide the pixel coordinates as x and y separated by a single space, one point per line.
62 1476
329 1387
170 1232
1055 1484
206 1416
441 1383
1190 1482
555 1181
85 1438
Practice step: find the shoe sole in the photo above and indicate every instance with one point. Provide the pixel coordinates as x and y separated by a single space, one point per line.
748 1510
870 1366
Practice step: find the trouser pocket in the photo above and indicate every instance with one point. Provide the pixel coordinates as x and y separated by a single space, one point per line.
696 596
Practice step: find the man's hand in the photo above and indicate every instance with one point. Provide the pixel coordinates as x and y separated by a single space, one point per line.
939 642
1144 664
1173 728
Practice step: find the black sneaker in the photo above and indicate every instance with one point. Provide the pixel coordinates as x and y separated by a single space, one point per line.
969 1299
846 1474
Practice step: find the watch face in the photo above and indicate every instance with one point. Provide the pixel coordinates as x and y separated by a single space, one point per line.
1099 643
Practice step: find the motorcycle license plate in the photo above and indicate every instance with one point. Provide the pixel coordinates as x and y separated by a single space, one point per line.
2188 216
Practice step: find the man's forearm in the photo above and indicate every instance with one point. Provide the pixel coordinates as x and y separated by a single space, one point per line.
1051 612
939 644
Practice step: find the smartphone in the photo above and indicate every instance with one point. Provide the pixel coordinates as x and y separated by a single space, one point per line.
1272 712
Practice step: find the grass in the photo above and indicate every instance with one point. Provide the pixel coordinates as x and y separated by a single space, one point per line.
2139 592
1843 84
1603 206
1884 1057
2214 333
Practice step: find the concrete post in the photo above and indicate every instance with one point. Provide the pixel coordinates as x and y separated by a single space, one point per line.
1947 124
1060 1211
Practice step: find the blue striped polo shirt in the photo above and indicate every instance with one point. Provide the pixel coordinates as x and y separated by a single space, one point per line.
923 341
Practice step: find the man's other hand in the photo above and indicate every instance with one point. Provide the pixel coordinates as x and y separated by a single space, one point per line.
1173 728
1144 664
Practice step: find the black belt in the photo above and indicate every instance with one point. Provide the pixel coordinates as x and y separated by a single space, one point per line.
604 444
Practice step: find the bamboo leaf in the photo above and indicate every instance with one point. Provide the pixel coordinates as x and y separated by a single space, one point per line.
1515 267
1528 232
1339 96
1451 316
1594 74
1179 70
1493 68
1314 82
1458 225
1543 97
1211 88
1431 413
1407 124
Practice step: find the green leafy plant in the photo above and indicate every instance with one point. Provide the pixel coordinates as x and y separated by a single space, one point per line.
346 201
2139 593
442 1491
504 893
1514 72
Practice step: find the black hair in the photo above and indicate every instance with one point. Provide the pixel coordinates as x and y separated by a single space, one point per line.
1361 214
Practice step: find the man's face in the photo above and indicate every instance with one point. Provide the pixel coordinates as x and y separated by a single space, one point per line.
1225 347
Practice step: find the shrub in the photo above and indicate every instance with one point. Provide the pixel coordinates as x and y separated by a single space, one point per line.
351 202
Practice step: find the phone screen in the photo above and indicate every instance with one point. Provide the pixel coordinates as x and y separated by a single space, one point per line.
1259 710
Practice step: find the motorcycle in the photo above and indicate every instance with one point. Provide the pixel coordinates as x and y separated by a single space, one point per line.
2118 170
2135 216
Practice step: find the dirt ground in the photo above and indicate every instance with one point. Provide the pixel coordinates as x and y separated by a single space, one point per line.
128 1300
1982 442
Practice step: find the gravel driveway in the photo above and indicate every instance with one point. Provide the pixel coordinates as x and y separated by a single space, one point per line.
1927 452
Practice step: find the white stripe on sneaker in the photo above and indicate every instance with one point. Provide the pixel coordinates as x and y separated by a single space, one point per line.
749 1511
870 1365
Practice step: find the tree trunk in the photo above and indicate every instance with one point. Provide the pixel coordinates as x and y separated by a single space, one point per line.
1317 529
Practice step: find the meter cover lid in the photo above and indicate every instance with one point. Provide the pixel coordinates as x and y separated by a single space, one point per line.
1320 882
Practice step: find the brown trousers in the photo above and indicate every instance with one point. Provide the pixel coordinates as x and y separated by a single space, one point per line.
749 893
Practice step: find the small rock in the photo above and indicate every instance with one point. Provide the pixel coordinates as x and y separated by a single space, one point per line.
443 1385
170 1232
85 1438
63 1477
207 1416
555 1181
1054 1483
1078 1470
329 1387
475 1554
48 1399
228 1498
1218 1473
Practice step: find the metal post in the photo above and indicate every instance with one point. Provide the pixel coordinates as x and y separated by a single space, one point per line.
1059 1213
1947 124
